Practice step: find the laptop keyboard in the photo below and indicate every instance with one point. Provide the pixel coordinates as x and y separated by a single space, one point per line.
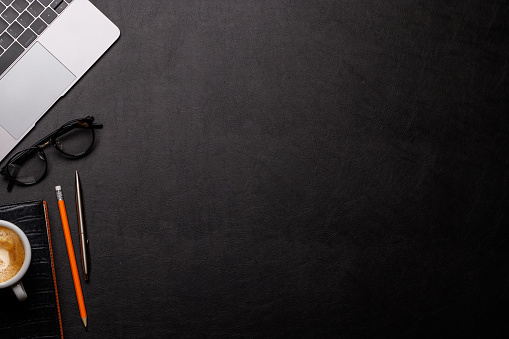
21 22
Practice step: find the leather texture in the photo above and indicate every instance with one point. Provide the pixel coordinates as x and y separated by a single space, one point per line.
38 315
304 168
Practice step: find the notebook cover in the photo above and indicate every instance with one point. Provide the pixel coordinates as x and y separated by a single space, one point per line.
38 316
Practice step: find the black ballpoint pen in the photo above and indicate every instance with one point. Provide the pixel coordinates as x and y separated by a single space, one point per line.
81 225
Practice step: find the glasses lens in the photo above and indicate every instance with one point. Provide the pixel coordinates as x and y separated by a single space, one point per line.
29 168
76 142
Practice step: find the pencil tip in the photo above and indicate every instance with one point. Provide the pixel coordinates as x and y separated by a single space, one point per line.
84 321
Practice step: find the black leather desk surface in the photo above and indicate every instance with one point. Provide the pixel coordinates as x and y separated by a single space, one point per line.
291 168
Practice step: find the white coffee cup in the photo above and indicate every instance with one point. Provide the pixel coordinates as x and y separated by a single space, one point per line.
15 282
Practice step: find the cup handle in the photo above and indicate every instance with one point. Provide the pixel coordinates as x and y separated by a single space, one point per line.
20 292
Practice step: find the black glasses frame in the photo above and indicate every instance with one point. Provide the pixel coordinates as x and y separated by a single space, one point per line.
50 139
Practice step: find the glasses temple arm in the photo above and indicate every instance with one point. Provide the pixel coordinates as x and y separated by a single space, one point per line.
12 176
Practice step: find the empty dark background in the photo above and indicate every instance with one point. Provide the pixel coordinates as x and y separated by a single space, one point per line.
291 168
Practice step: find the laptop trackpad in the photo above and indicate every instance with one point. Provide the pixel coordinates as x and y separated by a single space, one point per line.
30 88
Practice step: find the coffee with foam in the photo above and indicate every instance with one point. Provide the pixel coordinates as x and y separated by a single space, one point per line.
12 253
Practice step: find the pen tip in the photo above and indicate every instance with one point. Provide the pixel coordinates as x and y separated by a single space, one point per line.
84 321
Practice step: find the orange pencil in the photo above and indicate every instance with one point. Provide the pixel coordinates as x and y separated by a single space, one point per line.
70 252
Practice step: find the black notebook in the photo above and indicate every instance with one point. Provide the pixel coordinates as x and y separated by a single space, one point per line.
39 315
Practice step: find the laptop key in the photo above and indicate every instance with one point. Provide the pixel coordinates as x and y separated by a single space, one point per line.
6 2
25 19
15 30
38 26
45 2
10 15
27 38
48 15
61 7
3 25
2 7
55 3
35 8
9 56
5 40
20 5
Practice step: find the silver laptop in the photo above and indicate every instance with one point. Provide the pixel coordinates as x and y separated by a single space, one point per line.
45 47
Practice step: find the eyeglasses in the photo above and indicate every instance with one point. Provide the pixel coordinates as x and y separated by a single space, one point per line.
75 139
